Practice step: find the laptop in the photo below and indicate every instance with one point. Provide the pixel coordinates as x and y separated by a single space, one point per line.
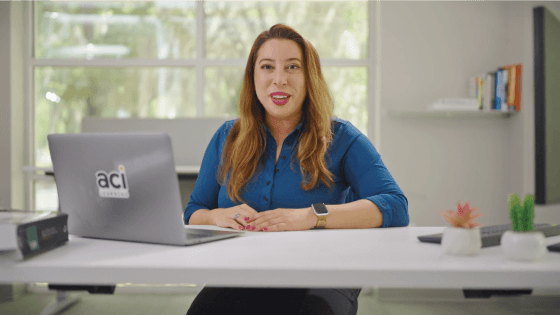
123 186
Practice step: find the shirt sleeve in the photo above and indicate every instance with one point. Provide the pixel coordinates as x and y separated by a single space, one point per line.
370 179
207 188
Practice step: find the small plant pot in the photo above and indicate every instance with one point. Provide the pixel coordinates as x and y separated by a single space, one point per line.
525 246
460 241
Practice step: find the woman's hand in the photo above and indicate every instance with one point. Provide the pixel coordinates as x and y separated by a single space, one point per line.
225 217
284 220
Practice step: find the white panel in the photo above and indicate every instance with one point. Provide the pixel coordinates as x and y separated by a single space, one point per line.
5 108
189 136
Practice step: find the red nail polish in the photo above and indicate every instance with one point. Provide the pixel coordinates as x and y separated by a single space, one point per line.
252 228
248 227
265 229
241 227
247 219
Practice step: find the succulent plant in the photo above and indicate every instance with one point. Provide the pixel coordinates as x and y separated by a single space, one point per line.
521 214
463 217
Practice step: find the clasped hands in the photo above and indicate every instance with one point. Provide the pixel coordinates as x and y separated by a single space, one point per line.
268 221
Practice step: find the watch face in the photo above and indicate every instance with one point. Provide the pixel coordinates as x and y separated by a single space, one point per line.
320 208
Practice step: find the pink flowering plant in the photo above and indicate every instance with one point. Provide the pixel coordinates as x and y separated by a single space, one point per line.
463 217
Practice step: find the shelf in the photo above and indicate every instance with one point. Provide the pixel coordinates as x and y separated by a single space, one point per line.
448 113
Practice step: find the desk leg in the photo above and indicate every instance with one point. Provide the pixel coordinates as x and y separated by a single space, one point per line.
63 301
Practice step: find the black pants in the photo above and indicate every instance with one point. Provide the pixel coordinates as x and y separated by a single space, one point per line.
247 301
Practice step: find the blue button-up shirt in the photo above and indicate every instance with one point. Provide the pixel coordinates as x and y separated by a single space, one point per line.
359 173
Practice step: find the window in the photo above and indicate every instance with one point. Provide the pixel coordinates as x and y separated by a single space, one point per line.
174 59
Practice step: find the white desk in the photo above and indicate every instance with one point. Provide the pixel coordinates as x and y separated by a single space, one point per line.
391 257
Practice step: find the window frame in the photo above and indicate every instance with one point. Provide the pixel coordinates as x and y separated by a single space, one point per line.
371 63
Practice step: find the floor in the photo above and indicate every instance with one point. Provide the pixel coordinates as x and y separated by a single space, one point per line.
372 301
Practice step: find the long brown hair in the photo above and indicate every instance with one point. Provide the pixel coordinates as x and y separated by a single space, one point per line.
246 142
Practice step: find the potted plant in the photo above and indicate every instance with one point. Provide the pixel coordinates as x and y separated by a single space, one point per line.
463 236
522 243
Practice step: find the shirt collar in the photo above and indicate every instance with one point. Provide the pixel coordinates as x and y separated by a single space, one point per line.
297 130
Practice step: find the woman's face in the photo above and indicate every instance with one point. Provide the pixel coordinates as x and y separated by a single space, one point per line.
280 80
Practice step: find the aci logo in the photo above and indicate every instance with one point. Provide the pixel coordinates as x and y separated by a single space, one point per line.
112 185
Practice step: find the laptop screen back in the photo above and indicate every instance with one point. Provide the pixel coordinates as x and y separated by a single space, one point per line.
120 186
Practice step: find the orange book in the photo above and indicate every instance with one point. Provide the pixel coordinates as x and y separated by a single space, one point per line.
515 74
519 72
511 87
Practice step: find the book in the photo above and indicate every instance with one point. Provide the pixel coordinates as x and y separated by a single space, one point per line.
500 102
511 88
24 234
497 90
519 77
514 86
489 93
476 89
479 91
504 89
498 98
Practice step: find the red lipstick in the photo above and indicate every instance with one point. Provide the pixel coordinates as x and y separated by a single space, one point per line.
279 98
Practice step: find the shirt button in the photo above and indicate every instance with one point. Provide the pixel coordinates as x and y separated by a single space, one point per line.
383 204
268 183
289 142
276 170
283 157
265 198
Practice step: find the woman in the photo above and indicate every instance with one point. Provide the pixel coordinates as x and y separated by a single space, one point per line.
284 154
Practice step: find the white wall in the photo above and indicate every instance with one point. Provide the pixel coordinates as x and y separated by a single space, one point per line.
5 113
18 132
11 106
429 50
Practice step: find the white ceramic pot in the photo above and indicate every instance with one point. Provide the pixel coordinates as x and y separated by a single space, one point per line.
526 246
460 241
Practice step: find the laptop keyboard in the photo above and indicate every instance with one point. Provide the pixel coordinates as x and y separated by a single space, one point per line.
492 234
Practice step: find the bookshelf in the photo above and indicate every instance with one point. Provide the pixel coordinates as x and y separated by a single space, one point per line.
396 113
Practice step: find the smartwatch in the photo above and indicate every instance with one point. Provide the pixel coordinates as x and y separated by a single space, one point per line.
321 212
